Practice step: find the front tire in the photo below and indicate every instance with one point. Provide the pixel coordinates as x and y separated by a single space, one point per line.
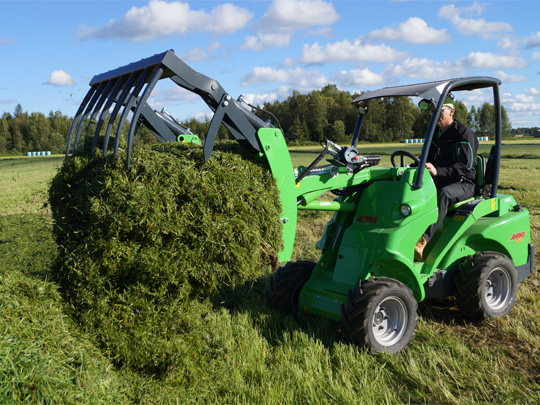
285 285
486 286
380 314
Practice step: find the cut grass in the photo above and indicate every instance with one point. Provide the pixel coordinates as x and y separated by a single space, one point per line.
236 350
44 358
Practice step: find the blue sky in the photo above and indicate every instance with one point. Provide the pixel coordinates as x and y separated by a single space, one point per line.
49 50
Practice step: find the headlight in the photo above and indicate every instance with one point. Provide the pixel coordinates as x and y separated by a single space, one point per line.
405 210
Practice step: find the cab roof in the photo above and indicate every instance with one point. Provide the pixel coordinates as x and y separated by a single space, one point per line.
430 90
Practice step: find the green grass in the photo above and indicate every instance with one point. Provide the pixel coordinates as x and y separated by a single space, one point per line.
24 183
234 349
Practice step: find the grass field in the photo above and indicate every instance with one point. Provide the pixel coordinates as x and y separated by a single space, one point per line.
236 350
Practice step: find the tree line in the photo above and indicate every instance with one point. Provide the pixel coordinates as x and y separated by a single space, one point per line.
329 113
23 132
304 118
534 131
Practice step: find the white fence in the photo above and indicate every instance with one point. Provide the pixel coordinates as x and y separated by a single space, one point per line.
421 140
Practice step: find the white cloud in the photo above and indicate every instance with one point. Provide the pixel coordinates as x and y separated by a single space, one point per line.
536 56
266 40
508 98
529 108
476 98
487 60
216 45
321 32
533 41
7 101
532 91
302 79
509 44
415 31
260 99
171 96
471 26
284 17
60 78
424 68
509 78
358 78
161 19
228 18
195 55
347 51
298 14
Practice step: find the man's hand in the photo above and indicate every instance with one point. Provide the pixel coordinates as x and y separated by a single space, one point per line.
431 169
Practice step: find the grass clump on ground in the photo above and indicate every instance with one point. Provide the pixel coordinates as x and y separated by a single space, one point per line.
135 244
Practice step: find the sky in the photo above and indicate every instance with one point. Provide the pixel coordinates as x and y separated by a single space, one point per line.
264 50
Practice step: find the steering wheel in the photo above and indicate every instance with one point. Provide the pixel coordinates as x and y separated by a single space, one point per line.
402 154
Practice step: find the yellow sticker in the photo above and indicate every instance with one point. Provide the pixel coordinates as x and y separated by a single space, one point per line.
459 218
493 203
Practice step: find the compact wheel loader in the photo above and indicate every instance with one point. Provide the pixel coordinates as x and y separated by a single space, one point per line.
366 278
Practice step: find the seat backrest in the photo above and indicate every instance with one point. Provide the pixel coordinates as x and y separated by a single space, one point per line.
488 173
479 184
484 174
480 171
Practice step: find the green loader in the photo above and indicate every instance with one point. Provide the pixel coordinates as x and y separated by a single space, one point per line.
366 278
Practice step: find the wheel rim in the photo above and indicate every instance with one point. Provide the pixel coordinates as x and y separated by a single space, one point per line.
497 289
389 321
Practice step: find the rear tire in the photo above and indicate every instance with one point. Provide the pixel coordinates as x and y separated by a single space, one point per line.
285 285
380 314
486 286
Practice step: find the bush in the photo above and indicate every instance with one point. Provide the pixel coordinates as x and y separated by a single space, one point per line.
135 244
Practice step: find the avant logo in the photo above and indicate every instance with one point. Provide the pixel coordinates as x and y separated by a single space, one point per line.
366 219
517 237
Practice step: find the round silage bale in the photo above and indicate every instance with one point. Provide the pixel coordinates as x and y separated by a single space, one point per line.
134 244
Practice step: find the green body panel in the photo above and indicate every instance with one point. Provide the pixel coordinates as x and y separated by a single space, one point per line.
374 240
279 160
493 225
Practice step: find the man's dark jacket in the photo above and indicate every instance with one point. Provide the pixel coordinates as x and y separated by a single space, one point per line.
453 153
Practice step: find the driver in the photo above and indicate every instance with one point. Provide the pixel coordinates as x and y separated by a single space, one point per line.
451 161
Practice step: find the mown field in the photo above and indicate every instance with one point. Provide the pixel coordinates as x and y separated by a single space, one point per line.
235 349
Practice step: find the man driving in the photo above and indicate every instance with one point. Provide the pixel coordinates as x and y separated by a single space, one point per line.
451 162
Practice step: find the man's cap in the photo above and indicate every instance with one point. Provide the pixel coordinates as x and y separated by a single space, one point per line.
449 102
426 104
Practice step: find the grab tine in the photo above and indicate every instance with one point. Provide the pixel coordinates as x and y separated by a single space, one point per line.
89 108
141 102
99 104
78 115
129 103
119 102
105 111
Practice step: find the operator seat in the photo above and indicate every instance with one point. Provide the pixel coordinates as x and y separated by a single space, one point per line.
482 181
